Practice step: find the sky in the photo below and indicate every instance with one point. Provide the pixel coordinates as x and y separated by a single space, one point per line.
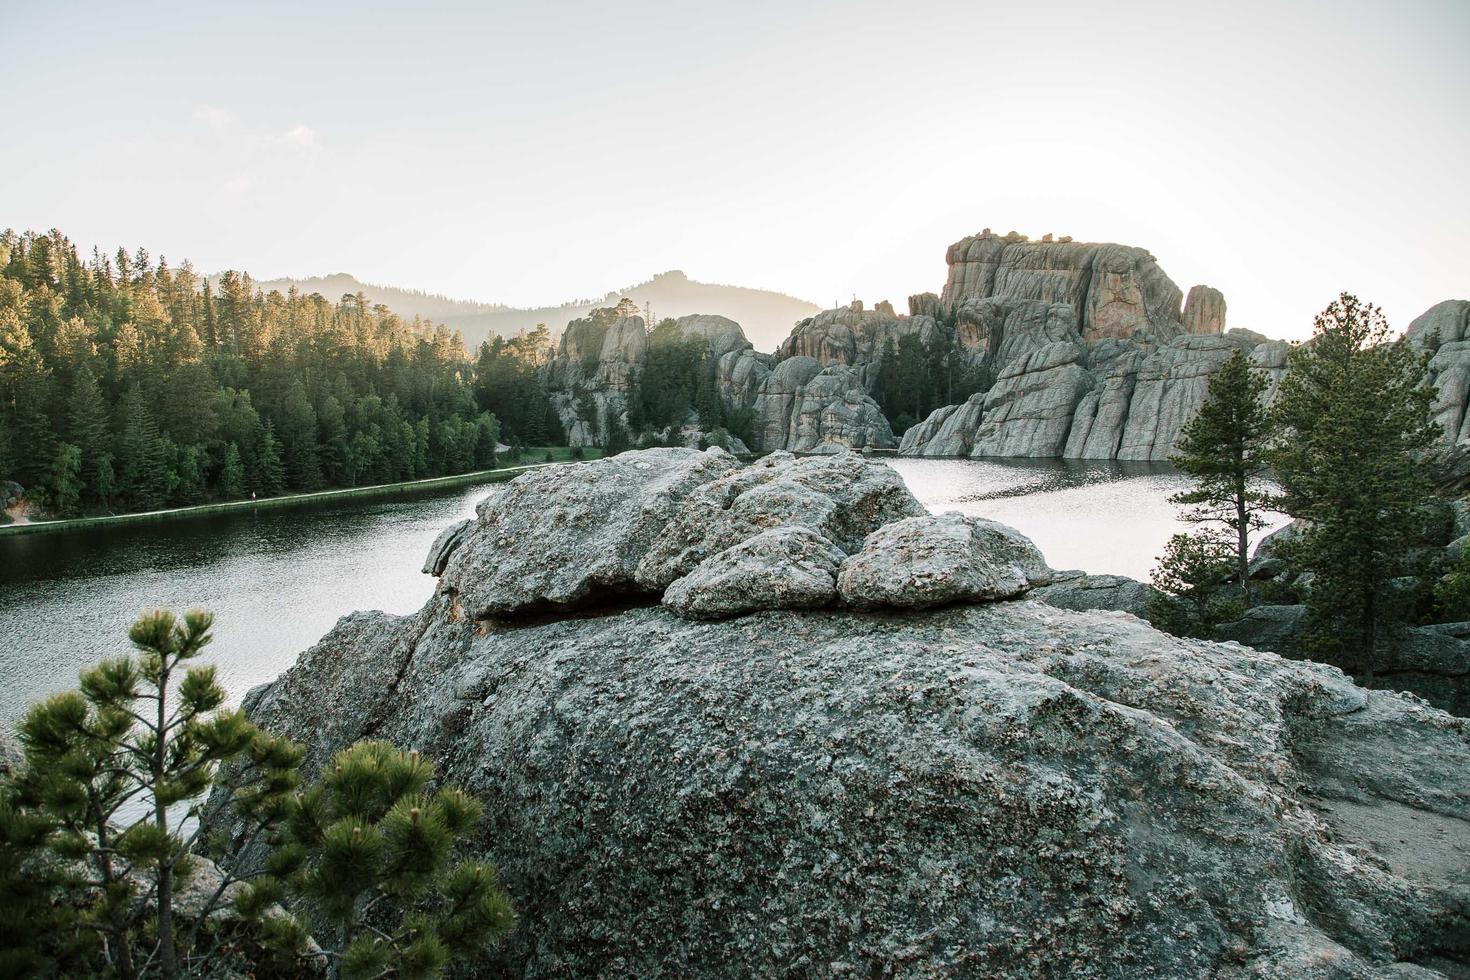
530 153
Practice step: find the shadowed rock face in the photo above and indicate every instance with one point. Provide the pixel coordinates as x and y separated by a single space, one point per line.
995 789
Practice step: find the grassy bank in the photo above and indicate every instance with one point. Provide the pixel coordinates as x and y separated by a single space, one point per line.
533 458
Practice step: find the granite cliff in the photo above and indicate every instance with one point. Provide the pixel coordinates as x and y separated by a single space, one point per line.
775 720
799 404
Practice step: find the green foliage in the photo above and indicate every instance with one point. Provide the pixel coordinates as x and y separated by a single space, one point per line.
915 378
1355 419
616 440
39 936
145 732
678 376
1452 591
65 486
372 850
154 375
1223 449
1190 579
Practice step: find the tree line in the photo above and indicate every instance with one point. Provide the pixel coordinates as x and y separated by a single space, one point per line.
129 384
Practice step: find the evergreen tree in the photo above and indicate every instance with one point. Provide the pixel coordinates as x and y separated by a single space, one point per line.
232 474
372 835
141 453
146 730
270 472
39 936
1355 419
87 428
1224 449
1187 600
65 484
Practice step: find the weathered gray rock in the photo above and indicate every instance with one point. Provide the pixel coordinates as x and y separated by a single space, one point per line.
561 536
999 790
844 498
787 567
948 431
1115 290
853 336
1080 591
1274 628
444 545
936 560
1444 332
721 334
1204 310
1029 410
1172 384
806 408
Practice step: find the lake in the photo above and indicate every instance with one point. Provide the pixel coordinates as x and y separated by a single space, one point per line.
278 579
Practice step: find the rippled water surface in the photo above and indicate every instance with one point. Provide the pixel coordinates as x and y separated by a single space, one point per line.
278 579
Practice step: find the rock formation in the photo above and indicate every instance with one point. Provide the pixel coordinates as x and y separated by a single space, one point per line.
1113 291
1444 332
978 789
1113 400
796 405
1204 310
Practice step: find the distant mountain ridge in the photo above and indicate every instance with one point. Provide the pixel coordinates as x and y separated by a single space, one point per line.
766 316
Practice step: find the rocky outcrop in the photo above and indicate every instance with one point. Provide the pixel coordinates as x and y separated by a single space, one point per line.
1114 291
843 498
1443 331
939 560
1113 400
562 536
796 406
854 336
599 356
1204 310
788 567
995 789
806 408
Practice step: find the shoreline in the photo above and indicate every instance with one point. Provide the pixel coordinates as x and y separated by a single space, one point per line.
378 490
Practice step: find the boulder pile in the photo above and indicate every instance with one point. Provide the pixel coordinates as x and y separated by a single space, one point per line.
775 720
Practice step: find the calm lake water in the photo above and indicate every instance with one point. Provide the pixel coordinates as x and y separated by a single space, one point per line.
278 579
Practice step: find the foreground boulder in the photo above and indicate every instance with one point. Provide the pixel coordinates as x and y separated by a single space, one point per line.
783 568
566 535
996 789
934 561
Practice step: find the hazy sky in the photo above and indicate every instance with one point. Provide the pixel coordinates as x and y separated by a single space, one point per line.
530 153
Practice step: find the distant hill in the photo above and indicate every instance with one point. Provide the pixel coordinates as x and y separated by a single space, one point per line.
766 316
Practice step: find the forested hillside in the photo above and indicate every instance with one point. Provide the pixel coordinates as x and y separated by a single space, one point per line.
129 384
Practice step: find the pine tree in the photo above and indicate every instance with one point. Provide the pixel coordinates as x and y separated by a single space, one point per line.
87 428
147 730
1355 419
141 453
1187 600
1224 449
65 484
232 474
372 835
268 467
39 936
